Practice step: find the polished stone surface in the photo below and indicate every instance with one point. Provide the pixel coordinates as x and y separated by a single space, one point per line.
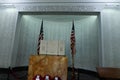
48 65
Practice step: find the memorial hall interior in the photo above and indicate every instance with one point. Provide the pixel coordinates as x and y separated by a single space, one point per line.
96 47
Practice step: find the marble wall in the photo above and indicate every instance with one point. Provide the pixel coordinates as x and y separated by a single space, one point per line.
110 25
99 44
8 19
58 27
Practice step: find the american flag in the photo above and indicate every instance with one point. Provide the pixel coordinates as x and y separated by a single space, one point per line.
40 38
72 38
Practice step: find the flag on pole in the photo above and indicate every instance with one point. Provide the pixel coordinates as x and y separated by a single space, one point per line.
40 38
72 38
73 50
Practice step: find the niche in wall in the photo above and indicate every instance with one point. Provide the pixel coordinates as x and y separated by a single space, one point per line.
57 26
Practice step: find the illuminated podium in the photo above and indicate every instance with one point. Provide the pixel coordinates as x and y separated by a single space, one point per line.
48 65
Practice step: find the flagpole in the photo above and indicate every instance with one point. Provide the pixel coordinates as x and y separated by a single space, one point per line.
73 70
73 50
